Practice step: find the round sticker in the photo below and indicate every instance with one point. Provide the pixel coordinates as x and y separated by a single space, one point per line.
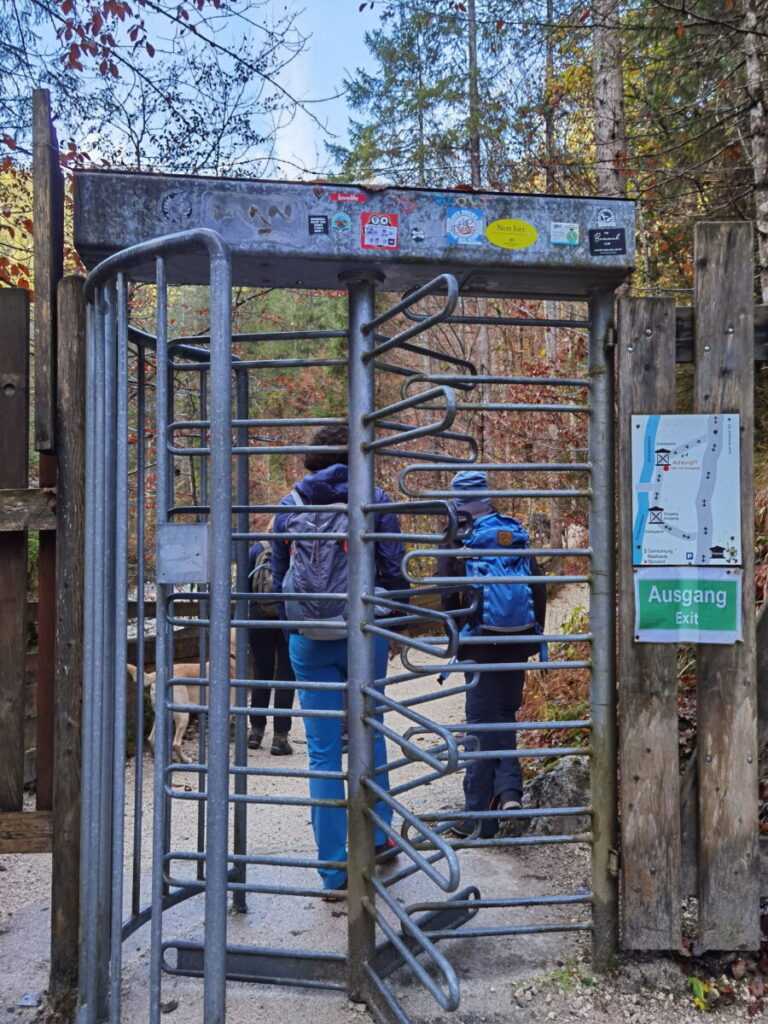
341 222
511 234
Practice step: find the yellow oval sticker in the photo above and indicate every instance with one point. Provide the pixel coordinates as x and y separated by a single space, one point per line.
511 234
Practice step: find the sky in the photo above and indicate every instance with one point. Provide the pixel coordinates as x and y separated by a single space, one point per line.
335 48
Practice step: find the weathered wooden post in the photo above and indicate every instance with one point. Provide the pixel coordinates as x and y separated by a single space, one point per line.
67 756
729 890
649 758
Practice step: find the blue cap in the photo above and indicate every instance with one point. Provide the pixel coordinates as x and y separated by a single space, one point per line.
469 480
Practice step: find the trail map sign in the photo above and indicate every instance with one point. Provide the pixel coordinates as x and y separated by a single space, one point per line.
700 606
686 490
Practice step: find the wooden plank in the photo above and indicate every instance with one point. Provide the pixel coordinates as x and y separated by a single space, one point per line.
729 889
48 207
25 831
69 591
48 200
648 745
27 508
684 334
46 639
14 434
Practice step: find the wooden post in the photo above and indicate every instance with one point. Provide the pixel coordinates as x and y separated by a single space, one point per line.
729 895
48 197
70 432
14 440
48 207
648 746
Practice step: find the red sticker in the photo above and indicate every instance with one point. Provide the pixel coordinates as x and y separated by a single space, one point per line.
347 197
379 231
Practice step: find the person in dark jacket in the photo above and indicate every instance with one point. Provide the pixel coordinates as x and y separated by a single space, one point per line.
496 697
269 653
316 660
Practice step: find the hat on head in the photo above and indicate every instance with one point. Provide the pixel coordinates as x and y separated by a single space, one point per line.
469 480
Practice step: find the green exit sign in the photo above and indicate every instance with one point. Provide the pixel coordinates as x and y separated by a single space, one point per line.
688 605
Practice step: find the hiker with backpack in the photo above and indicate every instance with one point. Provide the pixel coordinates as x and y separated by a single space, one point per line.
269 653
503 609
315 566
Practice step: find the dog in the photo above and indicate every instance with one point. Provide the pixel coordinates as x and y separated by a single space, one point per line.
183 693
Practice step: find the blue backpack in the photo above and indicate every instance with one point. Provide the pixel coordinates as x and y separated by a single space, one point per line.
505 607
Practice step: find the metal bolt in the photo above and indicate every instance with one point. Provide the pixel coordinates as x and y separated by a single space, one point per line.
648 332
706 348
630 348
729 330
749 760
708 757
9 389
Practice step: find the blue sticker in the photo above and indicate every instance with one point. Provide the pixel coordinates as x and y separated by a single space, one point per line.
464 226
341 222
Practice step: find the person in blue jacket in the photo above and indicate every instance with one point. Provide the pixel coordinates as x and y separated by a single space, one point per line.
317 660
492 783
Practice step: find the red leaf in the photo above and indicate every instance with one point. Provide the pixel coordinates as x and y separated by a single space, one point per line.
10 142
150 50
499 24
679 31
757 987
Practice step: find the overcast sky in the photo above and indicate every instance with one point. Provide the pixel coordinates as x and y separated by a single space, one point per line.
334 49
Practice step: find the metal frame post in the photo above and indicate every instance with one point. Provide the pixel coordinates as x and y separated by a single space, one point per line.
361 649
217 826
602 613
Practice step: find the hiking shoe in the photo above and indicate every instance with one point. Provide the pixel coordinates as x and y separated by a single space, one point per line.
463 829
336 895
280 744
511 828
255 736
387 850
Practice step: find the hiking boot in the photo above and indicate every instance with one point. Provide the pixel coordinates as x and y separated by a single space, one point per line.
510 828
387 850
336 895
280 744
255 736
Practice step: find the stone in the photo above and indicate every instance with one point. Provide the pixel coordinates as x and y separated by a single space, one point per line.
564 785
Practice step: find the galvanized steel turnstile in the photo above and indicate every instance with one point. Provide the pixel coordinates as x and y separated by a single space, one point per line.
147 238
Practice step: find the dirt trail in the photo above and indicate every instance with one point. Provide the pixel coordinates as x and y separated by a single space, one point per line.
520 979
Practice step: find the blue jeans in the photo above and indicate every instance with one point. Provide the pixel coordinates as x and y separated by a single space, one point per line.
326 661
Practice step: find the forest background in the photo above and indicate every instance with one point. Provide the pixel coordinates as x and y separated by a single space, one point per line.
661 101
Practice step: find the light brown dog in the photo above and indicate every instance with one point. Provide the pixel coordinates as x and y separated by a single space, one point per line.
183 693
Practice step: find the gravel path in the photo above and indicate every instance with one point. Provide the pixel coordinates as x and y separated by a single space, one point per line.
522 979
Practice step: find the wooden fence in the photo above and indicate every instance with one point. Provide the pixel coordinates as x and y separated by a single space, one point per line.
695 834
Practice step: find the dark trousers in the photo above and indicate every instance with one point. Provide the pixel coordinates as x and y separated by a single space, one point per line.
494 700
269 650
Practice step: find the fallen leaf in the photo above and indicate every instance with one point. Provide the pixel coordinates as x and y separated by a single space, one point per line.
738 968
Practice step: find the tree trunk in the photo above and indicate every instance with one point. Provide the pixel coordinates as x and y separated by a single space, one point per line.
610 126
474 98
758 130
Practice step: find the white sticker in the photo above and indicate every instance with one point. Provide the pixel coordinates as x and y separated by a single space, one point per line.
605 218
563 233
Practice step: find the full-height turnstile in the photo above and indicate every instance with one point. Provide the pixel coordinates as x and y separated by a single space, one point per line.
162 405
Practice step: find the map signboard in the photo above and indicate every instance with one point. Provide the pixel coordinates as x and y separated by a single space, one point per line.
686 497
